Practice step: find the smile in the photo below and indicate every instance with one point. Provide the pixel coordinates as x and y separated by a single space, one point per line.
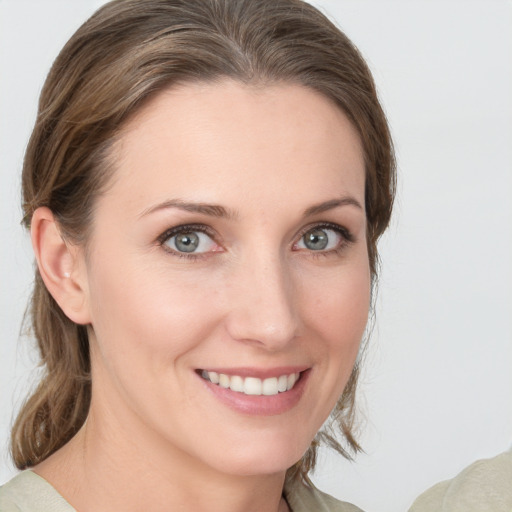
252 385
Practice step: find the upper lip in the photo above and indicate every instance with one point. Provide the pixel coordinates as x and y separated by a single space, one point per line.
260 373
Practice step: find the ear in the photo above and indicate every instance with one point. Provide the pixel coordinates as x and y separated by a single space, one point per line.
61 265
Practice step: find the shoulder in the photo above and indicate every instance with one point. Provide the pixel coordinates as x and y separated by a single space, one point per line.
305 497
28 492
485 485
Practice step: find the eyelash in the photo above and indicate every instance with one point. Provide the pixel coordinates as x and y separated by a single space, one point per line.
185 228
347 239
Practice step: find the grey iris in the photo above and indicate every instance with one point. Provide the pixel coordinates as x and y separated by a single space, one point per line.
316 239
186 242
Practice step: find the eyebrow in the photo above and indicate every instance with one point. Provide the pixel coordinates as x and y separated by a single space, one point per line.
212 210
215 210
331 204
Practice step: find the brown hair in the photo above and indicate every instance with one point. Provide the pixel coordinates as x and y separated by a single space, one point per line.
128 51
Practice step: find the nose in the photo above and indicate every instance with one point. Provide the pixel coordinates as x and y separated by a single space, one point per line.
262 303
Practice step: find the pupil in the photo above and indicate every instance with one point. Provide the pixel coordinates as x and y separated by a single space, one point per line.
187 242
316 240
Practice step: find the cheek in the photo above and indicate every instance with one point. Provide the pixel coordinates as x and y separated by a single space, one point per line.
142 316
339 305
334 307
337 311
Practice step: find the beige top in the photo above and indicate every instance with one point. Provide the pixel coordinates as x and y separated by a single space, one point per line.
485 486
28 492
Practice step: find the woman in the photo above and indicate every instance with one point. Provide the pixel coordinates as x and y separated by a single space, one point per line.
205 187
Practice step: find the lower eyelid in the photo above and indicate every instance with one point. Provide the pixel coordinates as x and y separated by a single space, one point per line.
345 237
210 242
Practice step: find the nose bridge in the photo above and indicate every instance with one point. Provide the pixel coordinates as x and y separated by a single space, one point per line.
262 302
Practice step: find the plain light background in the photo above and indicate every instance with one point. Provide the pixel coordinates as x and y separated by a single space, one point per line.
436 393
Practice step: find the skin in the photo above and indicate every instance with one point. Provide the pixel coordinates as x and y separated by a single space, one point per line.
255 297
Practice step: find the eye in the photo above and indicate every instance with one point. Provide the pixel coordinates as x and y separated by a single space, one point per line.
322 238
189 240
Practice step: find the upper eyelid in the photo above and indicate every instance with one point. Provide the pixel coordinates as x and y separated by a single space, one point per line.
183 228
204 228
345 232
168 234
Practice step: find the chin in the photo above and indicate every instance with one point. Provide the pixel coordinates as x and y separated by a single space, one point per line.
253 459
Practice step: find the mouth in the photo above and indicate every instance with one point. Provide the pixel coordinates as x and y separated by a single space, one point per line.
250 385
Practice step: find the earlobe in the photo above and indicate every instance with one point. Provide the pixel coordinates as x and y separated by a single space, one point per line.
61 266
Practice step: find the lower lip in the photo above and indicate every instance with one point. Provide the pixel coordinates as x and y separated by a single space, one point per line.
260 405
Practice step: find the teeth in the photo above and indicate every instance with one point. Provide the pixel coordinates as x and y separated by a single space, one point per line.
253 385
237 384
224 381
269 386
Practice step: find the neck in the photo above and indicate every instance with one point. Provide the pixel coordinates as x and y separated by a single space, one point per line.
107 466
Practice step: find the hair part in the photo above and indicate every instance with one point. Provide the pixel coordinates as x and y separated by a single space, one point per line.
125 54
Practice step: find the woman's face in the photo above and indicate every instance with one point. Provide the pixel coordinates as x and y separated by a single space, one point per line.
227 275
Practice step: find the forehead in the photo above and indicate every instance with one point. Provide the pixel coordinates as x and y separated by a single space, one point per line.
237 140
